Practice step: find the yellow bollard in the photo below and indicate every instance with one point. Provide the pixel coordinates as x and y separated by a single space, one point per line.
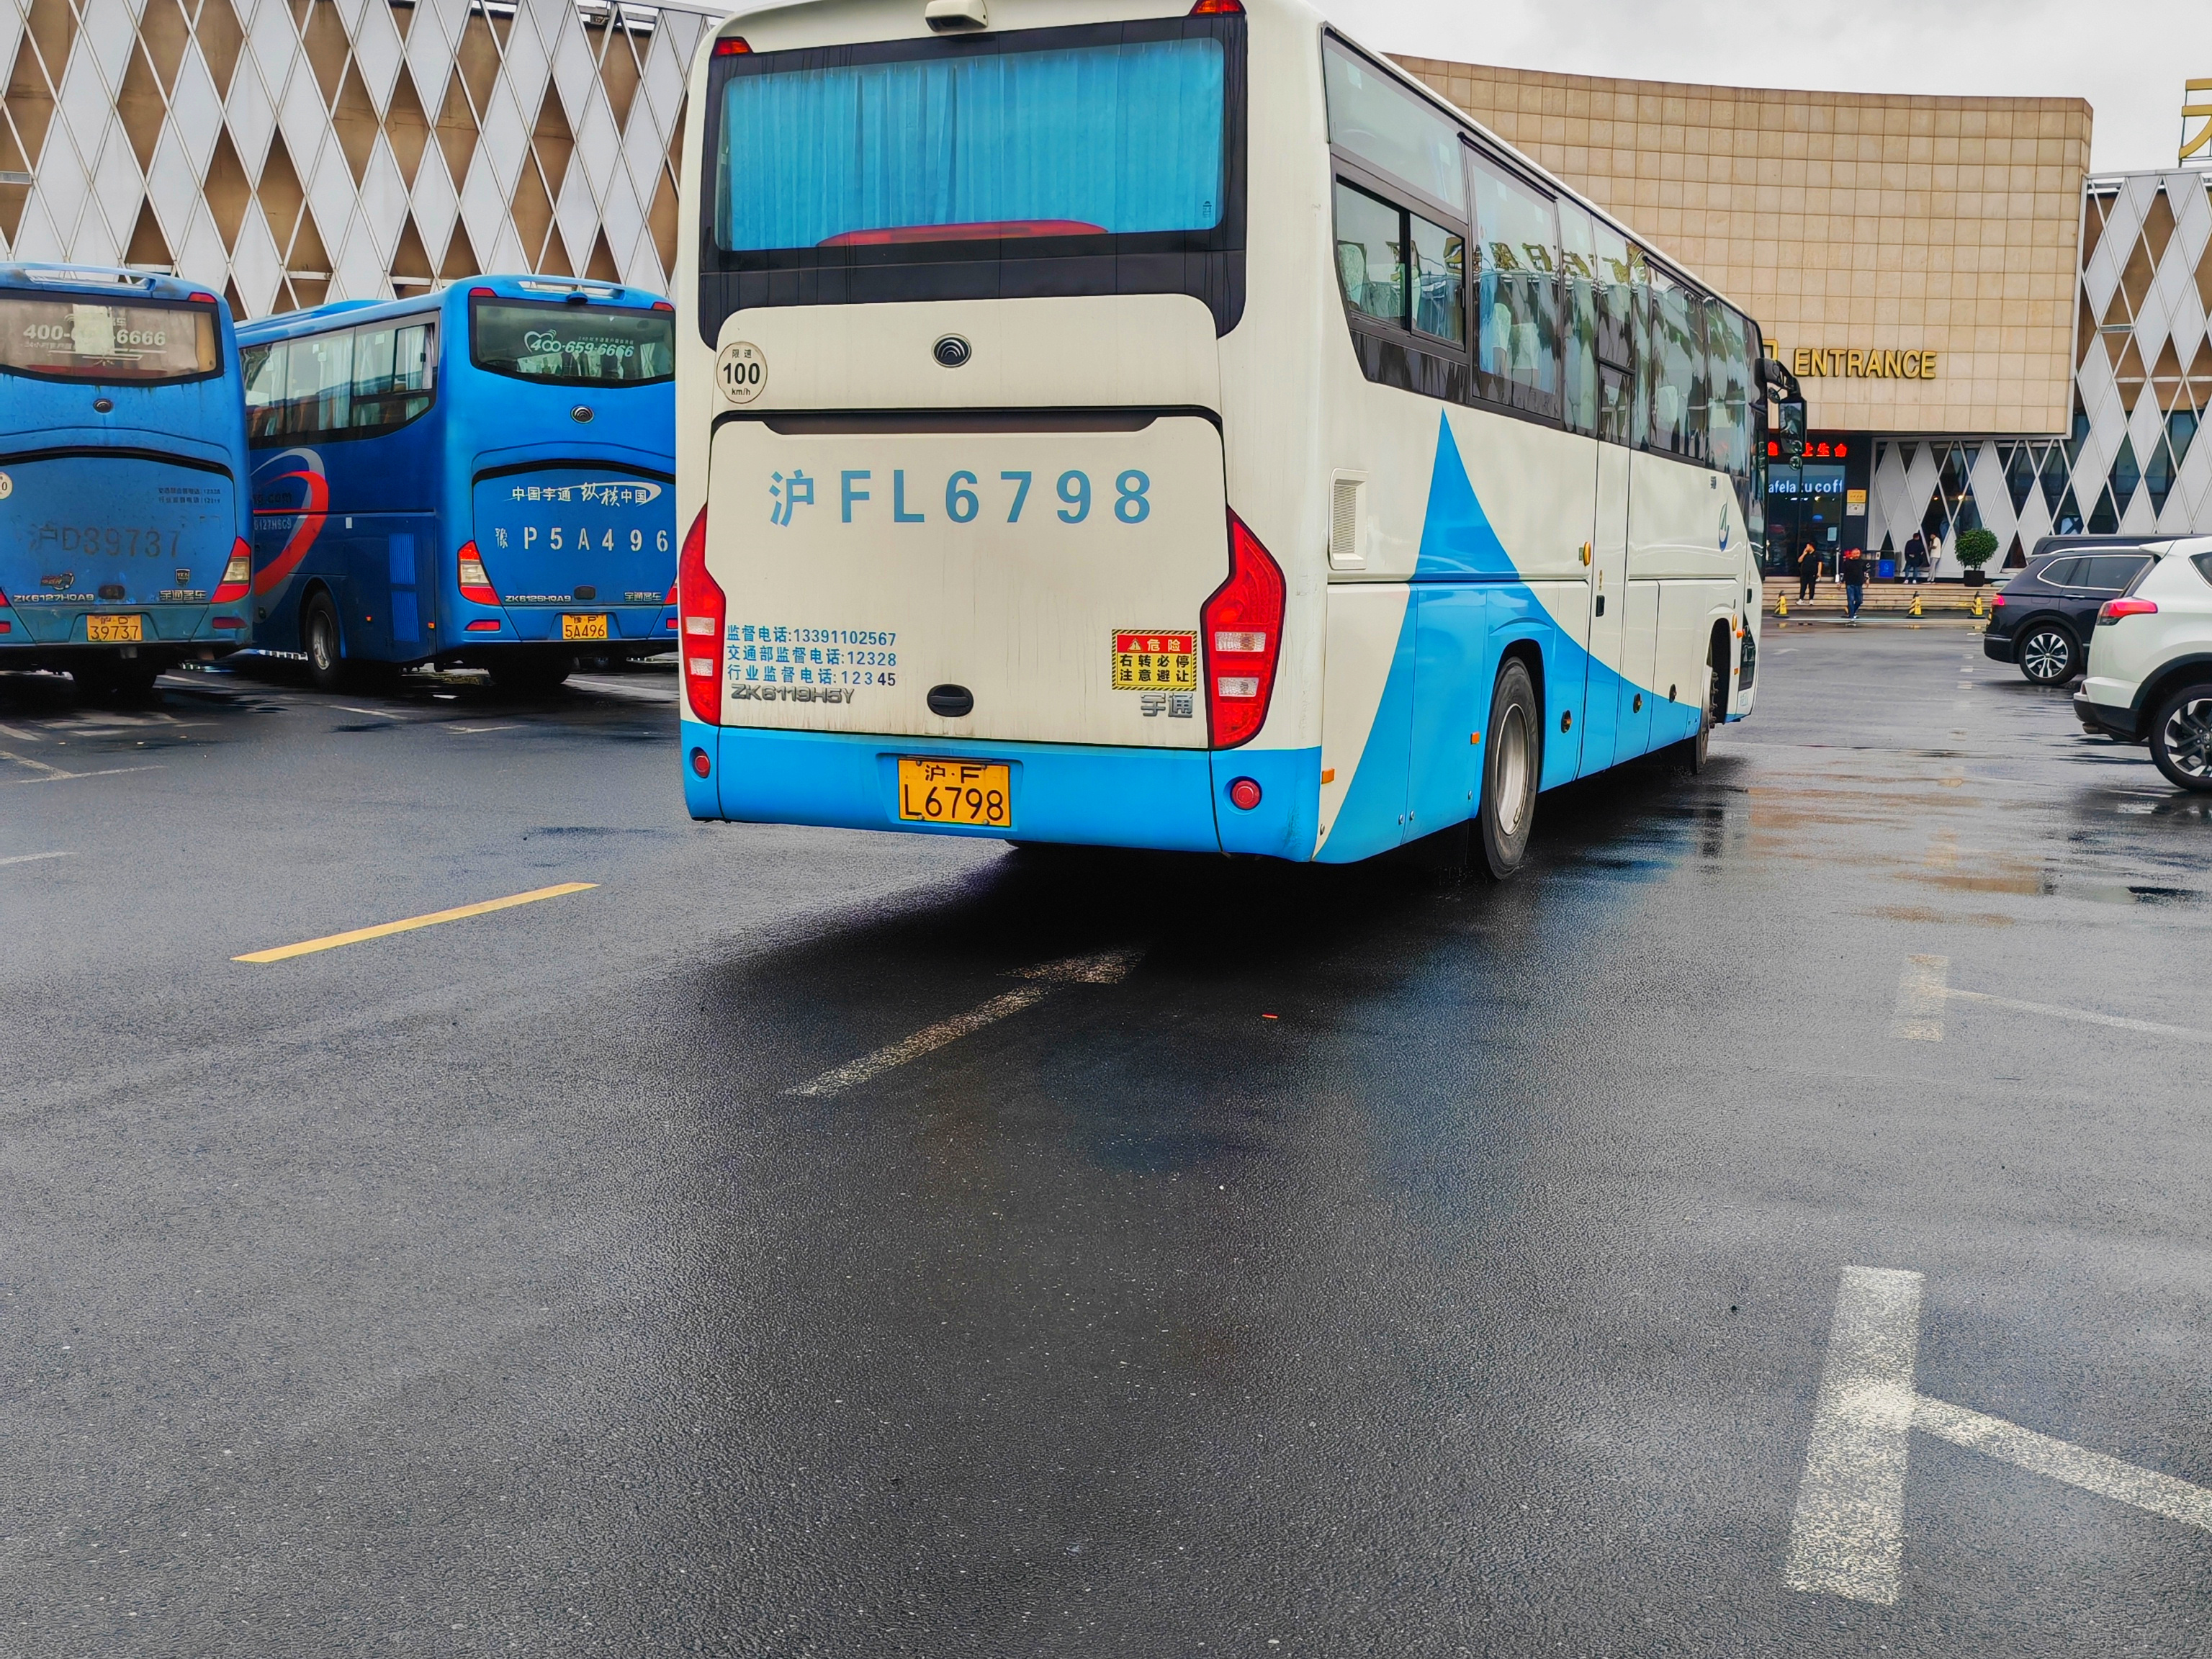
1978 612
1781 605
1916 601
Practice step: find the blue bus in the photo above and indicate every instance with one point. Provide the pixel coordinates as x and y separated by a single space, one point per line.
124 516
479 477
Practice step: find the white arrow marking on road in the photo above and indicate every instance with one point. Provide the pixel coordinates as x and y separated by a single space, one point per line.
33 858
1848 1536
1921 991
1104 969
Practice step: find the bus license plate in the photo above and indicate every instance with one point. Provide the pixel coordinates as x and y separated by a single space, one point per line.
115 630
955 791
584 628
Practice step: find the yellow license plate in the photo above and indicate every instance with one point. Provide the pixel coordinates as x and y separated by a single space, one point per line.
955 791
584 628
115 630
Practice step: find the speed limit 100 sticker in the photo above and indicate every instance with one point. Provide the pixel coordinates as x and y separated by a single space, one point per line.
741 371
7 486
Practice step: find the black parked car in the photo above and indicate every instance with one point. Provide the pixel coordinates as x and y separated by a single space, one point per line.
2041 619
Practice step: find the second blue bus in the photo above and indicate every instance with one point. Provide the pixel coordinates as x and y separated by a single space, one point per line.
479 477
122 498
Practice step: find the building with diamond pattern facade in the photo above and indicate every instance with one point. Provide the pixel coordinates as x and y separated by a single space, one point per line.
293 151
1987 335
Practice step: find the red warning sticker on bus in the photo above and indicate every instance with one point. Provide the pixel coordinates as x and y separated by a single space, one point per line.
1144 660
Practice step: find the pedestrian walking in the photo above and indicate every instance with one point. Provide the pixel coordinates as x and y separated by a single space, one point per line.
1808 571
1853 571
1916 559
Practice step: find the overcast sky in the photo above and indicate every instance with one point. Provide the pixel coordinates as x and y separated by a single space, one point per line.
2128 57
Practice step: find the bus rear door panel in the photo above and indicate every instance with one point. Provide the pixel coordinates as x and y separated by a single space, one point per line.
1367 710
1454 662
1608 607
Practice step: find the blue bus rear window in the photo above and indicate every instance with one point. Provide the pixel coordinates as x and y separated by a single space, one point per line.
573 345
96 339
1111 138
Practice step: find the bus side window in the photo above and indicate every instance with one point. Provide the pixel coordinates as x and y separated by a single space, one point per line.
1370 255
1516 264
1728 396
1671 372
264 369
1579 304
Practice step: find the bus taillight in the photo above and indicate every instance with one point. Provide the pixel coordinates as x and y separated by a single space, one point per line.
1242 624
475 585
701 604
237 575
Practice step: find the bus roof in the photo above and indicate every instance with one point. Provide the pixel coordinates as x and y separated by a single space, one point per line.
755 12
98 279
287 324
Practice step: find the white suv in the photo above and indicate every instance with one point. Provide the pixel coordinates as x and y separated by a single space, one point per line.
2150 663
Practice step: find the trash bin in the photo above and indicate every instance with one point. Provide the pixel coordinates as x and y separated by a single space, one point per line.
1887 570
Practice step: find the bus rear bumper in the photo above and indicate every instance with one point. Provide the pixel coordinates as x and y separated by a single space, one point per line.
1164 799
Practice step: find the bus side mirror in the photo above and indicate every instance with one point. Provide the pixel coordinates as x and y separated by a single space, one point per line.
1779 385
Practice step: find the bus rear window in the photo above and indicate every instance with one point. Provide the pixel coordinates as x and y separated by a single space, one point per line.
571 345
1120 137
62 339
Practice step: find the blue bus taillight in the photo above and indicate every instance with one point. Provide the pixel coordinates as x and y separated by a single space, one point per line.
475 586
237 576
701 603
1242 624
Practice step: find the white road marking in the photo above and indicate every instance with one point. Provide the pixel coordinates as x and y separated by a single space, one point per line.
645 692
1105 968
2038 1454
374 713
1848 1536
33 858
923 1041
1920 992
54 774
36 766
19 737
2118 1022
478 731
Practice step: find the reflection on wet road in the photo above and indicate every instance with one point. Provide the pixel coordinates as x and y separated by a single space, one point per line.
1293 1261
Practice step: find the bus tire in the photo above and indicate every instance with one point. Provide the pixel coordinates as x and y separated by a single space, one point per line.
1696 749
322 641
1512 762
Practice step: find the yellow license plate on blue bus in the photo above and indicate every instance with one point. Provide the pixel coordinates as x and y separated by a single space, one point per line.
115 630
955 791
584 628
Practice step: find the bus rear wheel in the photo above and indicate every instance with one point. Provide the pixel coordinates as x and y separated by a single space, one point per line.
320 640
1696 749
1511 765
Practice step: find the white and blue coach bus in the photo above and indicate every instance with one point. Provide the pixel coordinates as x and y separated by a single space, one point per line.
1106 424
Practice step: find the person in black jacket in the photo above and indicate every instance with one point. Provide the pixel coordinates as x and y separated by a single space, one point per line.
1808 571
1853 571
1916 559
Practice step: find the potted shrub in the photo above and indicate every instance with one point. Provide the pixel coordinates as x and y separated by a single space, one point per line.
1975 548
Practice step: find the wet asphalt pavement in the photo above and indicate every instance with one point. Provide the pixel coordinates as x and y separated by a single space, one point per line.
1375 1267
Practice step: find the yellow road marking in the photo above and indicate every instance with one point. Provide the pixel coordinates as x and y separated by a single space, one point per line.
330 942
